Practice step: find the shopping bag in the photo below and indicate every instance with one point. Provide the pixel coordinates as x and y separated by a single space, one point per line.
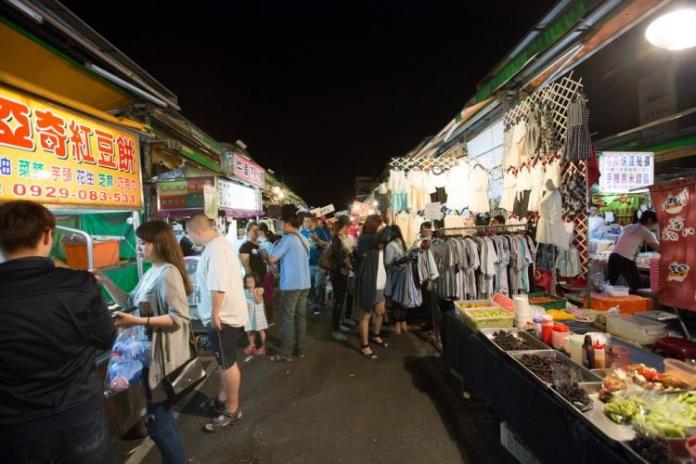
130 353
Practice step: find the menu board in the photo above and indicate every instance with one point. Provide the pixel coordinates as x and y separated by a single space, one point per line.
622 172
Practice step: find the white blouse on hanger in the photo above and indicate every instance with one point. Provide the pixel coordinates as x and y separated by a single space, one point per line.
459 186
519 137
397 181
550 228
479 195
524 179
538 173
509 184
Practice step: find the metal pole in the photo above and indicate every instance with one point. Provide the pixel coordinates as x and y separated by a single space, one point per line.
139 260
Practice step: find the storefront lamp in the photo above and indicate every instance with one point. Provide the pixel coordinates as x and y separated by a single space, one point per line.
281 195
675 30
276 190
375 203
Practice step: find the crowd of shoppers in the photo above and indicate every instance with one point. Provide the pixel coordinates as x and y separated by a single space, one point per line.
70 323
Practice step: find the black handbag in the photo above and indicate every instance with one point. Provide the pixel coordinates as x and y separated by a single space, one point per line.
182 380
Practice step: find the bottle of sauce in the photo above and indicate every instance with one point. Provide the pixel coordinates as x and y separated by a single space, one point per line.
547 330
588 353
599 356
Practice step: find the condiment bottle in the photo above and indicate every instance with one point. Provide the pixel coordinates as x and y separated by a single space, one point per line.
547 329
599 362
537 325
575 348
588 353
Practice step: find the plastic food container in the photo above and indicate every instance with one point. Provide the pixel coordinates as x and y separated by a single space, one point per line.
638 330
561 332
681 371
489 318
616 291
106 252
476 304
575 347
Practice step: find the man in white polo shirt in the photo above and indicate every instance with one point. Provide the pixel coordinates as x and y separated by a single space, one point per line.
223 311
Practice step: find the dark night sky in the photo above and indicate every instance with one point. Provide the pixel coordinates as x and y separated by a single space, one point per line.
320 92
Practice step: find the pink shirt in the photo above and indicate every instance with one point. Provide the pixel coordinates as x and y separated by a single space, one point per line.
631 238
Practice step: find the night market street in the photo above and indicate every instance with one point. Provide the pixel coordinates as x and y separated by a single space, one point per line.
333 407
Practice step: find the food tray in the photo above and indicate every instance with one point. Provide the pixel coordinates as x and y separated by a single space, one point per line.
539 345
585 374
502 321
475 304
557 303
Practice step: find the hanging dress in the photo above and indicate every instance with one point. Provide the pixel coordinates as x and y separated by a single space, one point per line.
578 145
538 173
479 195
550 228
509 190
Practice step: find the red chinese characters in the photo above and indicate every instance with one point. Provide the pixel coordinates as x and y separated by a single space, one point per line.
15 126
105 147
80 143
126 154
51 130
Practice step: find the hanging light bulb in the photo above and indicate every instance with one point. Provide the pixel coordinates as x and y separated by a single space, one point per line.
675 30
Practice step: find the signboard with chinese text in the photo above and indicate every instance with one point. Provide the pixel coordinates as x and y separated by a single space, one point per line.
235 196
210 201
54 156
182 194
622 172
245 169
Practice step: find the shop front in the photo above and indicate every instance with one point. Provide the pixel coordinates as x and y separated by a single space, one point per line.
87 172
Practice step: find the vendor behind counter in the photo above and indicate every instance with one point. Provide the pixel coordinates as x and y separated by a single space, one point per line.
622 260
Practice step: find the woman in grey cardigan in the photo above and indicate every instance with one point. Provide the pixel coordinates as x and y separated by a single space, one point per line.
370 281
161 297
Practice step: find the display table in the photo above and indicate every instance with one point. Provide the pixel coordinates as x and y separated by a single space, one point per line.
627 304
551 430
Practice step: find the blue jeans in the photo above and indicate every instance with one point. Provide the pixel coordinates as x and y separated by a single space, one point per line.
293 321
87 442
316 294
162 428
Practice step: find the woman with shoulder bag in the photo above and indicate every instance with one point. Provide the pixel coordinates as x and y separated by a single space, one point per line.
161 296
341 268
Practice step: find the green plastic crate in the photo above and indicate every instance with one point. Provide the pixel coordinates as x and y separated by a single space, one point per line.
557 303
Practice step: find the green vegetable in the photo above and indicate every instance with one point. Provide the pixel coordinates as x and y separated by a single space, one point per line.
622 411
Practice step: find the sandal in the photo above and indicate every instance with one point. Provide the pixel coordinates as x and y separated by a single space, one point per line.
379 341
213 404
223 420
371 355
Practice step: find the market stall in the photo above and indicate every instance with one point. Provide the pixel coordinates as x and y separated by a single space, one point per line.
553 391
87 172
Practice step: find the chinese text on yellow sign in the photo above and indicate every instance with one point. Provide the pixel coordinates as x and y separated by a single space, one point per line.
54 156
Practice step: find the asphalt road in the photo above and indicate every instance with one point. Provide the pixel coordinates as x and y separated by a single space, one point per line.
334 406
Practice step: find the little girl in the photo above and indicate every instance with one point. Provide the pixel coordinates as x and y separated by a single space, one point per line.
257 315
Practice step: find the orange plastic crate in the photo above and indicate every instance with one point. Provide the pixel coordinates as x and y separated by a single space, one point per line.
627 304
106 254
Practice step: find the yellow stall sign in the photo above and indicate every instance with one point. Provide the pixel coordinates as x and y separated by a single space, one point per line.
57 157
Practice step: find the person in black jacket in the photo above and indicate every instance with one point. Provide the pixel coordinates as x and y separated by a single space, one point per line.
52 322
341 267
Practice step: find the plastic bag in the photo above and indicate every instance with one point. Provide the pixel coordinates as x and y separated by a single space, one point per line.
130 353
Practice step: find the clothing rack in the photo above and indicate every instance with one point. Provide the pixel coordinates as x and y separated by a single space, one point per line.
520 227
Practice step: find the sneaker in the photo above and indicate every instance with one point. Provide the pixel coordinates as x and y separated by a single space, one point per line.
249 350
338 336
260 352
279 358
345 329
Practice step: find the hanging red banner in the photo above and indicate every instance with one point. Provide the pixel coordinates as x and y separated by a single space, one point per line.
675 204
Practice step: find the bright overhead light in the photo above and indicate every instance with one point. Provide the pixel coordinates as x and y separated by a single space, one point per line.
675 30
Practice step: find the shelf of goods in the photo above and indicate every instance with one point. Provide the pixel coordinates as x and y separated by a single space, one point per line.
546 397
